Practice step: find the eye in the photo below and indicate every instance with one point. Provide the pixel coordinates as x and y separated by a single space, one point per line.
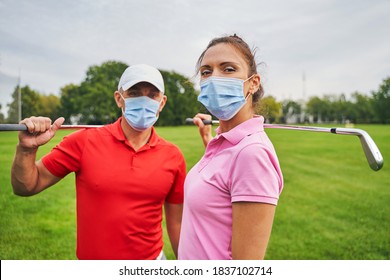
154 94
229 69
205 72
133 93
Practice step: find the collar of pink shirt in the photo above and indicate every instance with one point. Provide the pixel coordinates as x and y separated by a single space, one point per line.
242 130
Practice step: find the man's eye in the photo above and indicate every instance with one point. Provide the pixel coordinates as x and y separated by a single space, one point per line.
133 93
154 95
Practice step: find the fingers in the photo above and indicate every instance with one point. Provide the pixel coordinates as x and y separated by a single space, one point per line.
198 119
37 124
42 124
198 122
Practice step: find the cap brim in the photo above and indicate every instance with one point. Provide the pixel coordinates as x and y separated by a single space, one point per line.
132 83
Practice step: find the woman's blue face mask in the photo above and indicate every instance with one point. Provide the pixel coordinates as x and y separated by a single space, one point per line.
223 97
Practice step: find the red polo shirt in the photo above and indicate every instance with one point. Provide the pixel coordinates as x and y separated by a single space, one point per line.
120 192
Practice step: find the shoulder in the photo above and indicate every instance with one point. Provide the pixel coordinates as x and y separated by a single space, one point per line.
171 149
253 151
257 148
163 143
81 137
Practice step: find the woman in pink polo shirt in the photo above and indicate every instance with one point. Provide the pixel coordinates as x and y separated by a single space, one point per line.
232 192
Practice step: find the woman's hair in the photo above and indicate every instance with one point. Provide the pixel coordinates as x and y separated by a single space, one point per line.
249 56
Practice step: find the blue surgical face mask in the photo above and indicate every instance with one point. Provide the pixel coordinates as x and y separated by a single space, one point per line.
140 112
223 97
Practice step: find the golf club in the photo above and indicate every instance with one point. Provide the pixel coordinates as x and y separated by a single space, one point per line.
22 127
371 151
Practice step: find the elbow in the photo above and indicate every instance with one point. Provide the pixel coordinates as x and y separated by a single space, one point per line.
23 193
22 190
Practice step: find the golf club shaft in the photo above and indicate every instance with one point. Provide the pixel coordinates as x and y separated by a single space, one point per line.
371 151
22 127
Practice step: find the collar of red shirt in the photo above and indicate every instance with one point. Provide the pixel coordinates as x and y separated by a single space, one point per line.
117 132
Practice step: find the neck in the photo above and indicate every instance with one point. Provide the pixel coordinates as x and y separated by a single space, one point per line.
239 118
137 139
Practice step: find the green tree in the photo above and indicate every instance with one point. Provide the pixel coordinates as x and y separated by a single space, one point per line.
95 102
361 109
181 99
317 107
381 102
33 104
270 109
340 108
290 109
69 103
49 106
30 101
13 109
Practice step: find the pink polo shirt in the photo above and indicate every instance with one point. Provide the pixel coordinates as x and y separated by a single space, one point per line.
239 165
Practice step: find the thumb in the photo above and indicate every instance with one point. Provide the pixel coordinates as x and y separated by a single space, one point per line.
57 124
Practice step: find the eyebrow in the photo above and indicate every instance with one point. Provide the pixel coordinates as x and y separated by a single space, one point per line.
221 64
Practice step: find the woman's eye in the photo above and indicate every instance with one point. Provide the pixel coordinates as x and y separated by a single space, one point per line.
205 72
230 69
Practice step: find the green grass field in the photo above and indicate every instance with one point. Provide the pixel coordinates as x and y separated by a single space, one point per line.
333 206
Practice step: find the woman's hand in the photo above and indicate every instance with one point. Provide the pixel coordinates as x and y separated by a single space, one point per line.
204 129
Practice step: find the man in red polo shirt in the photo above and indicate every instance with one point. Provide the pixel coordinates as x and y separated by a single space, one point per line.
124 171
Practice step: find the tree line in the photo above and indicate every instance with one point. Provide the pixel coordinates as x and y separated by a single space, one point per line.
92 102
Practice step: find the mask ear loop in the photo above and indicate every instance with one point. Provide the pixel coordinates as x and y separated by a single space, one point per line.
249 92
123 100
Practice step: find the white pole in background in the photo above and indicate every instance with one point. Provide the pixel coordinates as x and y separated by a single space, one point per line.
19 99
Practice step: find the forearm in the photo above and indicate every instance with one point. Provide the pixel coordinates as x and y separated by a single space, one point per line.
174 235
206 139
24 172
173 215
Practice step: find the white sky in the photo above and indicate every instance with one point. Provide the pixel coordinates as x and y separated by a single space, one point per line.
342 46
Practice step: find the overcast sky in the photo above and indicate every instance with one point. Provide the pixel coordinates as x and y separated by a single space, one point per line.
340 46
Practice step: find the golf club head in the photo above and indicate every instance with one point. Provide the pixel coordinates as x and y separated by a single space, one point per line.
373 155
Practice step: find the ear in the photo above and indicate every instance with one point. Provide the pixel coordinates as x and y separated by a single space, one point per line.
255 83
118 99
162 104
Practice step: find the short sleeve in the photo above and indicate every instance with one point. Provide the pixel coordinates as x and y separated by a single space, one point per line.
256 176
176 194
66 156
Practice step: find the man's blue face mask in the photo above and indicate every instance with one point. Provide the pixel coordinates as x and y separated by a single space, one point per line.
140 112
223 97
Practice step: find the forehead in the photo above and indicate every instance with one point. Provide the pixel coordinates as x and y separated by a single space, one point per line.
222 53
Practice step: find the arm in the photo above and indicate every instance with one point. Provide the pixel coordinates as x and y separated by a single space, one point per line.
252 225
173 215
29 177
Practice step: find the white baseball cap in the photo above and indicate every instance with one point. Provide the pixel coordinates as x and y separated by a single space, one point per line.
141 73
